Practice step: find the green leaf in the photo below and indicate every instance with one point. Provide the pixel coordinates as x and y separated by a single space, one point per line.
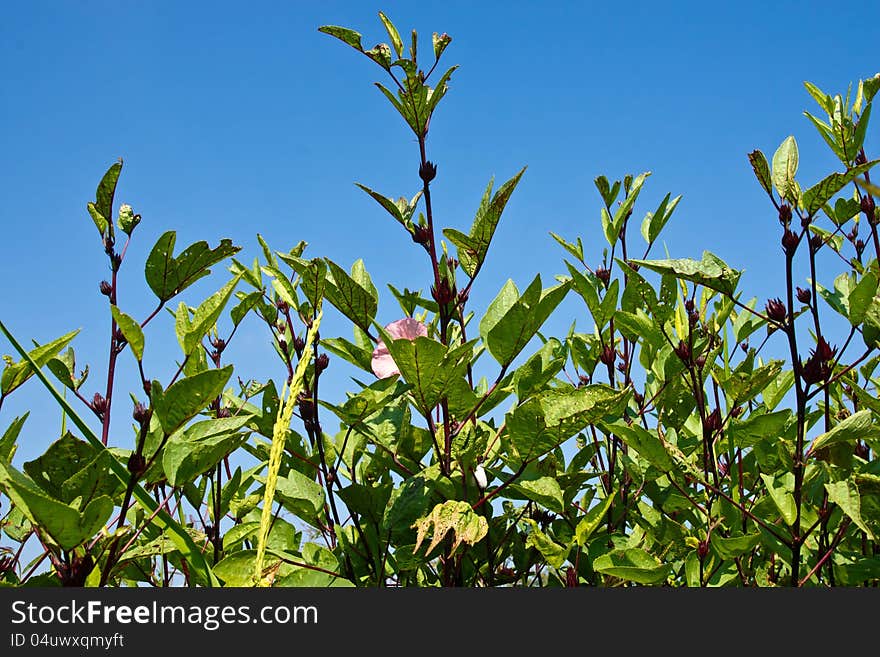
592 520
15 374
127 220
546 420
633 564
818 195
785 166
350 298
104 194
168 275
7 441
511 320
200 447
301 495
131 330
185 398
428 366
344 34
440 41
762 170
735 546
472 248
393 34
711 271
68 527
538 370
861 297
312 275
747 433
780 490
456 516
66 458
553 552
206 316
845 494
654 222
646 443
543 490
577 250
857 426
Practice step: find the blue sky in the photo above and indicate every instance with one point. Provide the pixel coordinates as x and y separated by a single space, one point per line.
238 118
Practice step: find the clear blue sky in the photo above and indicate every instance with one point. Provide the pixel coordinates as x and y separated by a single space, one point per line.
236 118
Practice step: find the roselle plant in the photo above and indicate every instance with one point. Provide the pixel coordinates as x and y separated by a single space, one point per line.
694 437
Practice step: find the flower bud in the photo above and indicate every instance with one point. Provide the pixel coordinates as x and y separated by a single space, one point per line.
607 356
689 305
442 294
776 310
701 361
789 242
421 235
137 464
282 305
141 414
703 550
427 171
638 398
816 242
712 423
603 275
785 214
867 206
736 411
860 246
683 351
99 404
299 344
321 363
106 288
804 296
223 412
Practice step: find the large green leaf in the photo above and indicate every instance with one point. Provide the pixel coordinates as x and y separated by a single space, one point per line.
428 366
168 275
592 520
186 397
543 490
780 490
349 297
472 248
16 373
553 552
456 516
206 315
818 195
646 443
8 440
344 34
200 447
654 222
785 166
858 426
762 170
512 320
67 526
632 564
546 420
301 495
845 494
72 468
711 271
131 331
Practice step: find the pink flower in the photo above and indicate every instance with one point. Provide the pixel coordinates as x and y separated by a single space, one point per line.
406 328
